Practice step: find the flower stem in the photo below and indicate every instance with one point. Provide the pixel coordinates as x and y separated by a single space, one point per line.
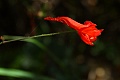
19 38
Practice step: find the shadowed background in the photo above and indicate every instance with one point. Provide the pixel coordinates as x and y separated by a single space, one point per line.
64 56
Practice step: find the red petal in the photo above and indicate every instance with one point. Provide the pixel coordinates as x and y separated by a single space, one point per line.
89 23
93 39
91 30
66 20
85 38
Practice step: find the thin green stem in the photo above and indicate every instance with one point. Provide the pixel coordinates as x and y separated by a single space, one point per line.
19 38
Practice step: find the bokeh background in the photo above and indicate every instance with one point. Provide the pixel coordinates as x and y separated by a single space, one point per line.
64 56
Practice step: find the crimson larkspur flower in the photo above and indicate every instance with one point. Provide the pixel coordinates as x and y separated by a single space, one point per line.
87 31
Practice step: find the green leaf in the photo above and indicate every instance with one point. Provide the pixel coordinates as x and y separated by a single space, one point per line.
21 74
15 73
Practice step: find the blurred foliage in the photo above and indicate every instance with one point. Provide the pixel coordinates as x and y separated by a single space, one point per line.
63 56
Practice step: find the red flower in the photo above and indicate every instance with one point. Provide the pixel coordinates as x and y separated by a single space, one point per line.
87 31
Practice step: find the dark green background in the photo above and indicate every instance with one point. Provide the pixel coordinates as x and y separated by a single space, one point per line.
63 56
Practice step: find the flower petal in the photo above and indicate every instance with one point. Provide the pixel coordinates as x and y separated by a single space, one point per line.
66 20
91 29
89 23
85 38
